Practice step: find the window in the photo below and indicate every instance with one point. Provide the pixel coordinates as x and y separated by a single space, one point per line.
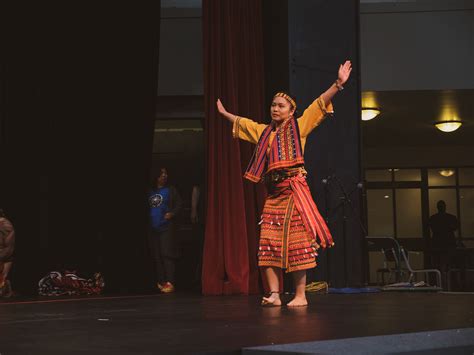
407 174
380 213
442 177
408 213
400 201
466 200
378 175
466 176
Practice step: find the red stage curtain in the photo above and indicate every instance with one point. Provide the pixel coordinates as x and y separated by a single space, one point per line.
233 72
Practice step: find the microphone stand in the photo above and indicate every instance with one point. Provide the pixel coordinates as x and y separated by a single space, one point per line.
346 201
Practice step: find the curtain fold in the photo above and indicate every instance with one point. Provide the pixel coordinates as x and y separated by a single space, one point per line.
233 72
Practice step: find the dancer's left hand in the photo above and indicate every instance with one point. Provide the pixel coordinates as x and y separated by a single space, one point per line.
344 72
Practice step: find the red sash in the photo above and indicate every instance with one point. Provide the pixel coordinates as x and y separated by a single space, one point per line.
312 219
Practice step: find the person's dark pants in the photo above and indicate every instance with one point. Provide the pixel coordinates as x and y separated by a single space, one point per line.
198 245
443 259
164 251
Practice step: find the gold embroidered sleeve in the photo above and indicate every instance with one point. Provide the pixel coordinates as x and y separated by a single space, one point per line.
314 115
247 130
236 127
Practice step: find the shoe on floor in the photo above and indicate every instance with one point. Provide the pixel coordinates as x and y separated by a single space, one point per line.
167 287
6 290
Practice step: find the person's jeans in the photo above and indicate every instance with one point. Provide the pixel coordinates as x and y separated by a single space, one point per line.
164 251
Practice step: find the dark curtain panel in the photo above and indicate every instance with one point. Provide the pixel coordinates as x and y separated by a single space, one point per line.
317 48
233 72
78 94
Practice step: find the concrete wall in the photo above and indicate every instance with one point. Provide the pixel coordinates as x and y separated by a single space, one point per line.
417 45
405 45
180 70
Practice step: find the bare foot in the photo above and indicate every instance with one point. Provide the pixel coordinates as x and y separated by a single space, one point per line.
298 302
273 300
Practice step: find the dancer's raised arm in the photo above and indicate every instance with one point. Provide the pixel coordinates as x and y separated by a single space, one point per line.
220 107
318 110
242 127
342 76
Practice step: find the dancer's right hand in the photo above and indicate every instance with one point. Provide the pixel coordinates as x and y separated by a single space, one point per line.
221 107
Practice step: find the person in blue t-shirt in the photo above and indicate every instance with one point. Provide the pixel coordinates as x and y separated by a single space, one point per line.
165 203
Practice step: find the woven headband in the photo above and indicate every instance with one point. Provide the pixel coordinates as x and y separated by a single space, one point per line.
290 100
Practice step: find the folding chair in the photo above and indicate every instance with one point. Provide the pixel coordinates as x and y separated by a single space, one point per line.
391 266
421 271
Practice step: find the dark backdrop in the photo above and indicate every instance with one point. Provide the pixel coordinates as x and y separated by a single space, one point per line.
322 35
78 94
305 41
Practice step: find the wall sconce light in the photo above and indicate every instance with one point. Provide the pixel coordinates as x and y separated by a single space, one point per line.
448 126
369 113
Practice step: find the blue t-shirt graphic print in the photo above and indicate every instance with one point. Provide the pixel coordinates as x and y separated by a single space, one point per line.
159 201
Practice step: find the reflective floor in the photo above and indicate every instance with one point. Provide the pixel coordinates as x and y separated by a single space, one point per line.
183 323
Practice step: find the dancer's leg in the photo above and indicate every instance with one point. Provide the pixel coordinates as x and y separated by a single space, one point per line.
299 278
273 280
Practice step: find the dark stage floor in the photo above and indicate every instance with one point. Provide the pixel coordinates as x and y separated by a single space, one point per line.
180 323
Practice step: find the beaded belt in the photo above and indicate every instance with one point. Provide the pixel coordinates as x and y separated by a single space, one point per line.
277 176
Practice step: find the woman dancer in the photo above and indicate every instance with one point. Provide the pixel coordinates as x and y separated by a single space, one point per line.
292 230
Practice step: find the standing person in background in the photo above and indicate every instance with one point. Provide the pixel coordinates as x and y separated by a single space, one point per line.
7 246
165 203
443 240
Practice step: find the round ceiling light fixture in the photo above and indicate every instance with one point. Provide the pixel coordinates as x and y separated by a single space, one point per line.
446 172
369 113
448 126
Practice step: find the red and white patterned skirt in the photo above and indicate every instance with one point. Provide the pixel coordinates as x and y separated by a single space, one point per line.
285 241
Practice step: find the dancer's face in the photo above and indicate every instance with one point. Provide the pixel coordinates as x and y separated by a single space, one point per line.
281 109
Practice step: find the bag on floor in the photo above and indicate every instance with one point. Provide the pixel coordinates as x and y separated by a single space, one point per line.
68 283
